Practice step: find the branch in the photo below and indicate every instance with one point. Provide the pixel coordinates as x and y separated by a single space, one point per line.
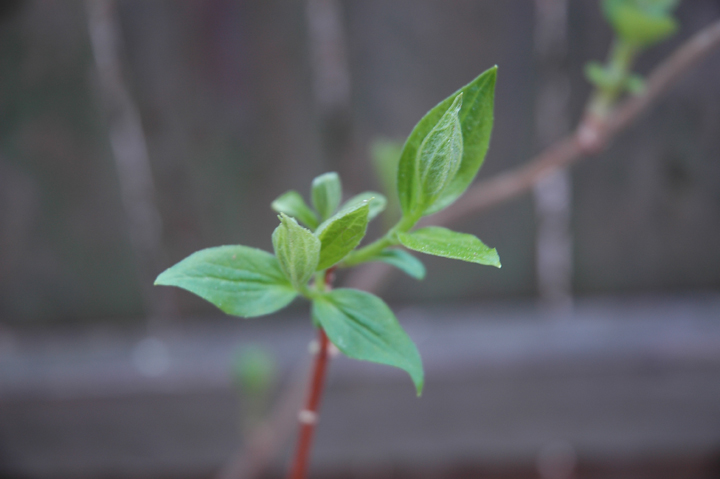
592 136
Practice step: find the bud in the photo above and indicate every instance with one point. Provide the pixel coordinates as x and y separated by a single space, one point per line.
297 251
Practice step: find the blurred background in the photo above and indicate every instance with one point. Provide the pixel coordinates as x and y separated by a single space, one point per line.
134 133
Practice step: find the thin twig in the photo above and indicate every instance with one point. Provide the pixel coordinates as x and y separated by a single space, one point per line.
590 137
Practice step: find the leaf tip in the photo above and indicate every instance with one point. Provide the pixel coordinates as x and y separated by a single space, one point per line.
419 387
492 72
161 280
496 259
284 218
456 104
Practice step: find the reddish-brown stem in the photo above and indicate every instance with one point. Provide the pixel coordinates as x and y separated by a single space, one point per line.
308 416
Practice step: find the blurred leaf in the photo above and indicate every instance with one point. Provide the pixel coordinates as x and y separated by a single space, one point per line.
363 327
599 76
385 156
297 250
341 233
292 204
443 242
239 280
641 22
651 7
326 194
402 260
635 85
254 370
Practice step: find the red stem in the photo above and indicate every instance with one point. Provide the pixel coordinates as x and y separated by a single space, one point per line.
308 417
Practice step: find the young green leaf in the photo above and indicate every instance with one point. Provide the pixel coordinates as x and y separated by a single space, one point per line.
297 251
363 327
239 280
476 118
292 204
635 84
443 242
599 76
438 159
326 194
376 203
402 260
341 233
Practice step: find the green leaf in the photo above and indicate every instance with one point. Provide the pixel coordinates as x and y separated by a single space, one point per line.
635 85
476 118
438 159
376 203
326 194
341 233
443 242
402 260
297 251
254 370
363 327
643 30
292 204
239 280
641 22
611 8
599 76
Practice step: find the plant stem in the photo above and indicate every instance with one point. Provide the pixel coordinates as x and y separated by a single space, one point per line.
389 239
619 62
308 417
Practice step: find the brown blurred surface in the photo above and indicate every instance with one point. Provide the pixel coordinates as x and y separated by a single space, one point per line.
631 387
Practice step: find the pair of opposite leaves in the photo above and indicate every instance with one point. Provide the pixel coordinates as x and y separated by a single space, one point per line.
439 160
